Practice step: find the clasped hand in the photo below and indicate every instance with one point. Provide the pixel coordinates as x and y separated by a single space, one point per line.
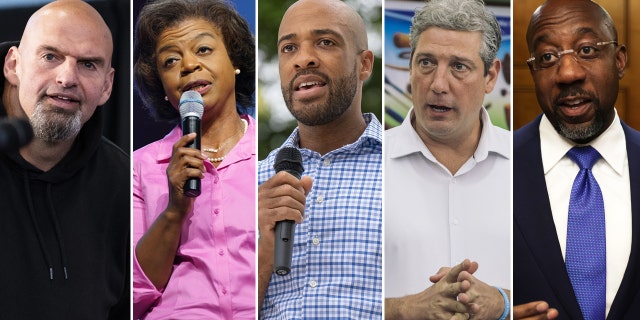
456 294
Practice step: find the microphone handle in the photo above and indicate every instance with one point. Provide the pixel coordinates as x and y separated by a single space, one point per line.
289 160
192 124
283 247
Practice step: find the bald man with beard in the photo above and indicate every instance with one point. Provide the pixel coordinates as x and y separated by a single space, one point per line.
336 270
65 195
577 88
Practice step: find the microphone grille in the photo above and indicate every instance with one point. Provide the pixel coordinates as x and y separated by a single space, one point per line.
289 159
191 104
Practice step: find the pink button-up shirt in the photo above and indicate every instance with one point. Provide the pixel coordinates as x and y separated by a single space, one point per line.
214 270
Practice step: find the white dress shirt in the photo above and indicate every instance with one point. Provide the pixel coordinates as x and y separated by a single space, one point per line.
434 219
612 174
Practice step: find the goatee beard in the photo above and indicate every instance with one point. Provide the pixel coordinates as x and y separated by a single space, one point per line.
53 124
583 133
579 133
342 91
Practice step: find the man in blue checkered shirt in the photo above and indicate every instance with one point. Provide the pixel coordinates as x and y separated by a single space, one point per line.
336 270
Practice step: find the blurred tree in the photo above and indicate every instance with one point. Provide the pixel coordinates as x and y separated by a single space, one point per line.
274 121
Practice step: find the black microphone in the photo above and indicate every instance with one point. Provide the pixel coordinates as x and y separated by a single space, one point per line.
289 160
191 109
14 133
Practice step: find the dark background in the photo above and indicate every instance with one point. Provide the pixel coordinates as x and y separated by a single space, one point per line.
145 128
116 13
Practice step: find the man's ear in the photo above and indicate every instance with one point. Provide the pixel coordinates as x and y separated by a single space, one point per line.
621 60
492 76
366 64
11 61
108 86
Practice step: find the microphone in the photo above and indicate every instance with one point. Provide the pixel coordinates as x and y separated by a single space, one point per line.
191 109
289 160
14 133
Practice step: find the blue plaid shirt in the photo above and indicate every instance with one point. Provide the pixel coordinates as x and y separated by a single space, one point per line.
336 272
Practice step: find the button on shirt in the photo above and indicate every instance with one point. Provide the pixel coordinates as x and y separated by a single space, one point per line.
612 174
336 270
435 219
214 270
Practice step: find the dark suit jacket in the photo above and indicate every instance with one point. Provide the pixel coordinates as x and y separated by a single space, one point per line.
539 271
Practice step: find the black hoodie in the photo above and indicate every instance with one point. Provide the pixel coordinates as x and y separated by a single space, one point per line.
64 233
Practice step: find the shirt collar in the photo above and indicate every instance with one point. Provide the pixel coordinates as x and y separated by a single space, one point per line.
610 144
372 135
244 148
166 144
489 141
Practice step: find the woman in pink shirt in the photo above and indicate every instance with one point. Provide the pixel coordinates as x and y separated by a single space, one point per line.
195 256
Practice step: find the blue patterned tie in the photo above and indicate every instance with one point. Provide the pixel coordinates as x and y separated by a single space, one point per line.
586 239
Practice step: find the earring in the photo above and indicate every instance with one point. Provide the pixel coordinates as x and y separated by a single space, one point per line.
166 98
237 71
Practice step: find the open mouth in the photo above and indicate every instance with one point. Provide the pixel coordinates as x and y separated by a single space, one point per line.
63 99
196 88
309 85
438 108
574 104
199 86
574 107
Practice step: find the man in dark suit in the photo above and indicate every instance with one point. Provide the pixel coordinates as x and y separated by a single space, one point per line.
576 64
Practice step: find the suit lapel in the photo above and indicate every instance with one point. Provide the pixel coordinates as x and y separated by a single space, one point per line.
630 286
535 218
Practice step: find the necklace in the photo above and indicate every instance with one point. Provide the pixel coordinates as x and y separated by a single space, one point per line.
216 150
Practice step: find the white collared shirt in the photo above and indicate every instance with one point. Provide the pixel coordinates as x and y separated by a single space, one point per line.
435 219
612 174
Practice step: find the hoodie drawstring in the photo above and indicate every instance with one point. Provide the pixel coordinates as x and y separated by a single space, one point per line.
56 224
32 213
58 230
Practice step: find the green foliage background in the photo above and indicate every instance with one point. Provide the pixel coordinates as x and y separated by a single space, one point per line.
272 131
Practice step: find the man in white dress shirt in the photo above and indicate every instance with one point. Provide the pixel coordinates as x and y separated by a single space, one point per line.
447 175
576 64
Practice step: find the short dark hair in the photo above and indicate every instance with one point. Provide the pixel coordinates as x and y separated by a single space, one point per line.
156 16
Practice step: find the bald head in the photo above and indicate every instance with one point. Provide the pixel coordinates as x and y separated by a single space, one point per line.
554 12
339 13
577 95
75 17
61 69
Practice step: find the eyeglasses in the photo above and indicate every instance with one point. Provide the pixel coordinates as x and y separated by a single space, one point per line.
586 52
